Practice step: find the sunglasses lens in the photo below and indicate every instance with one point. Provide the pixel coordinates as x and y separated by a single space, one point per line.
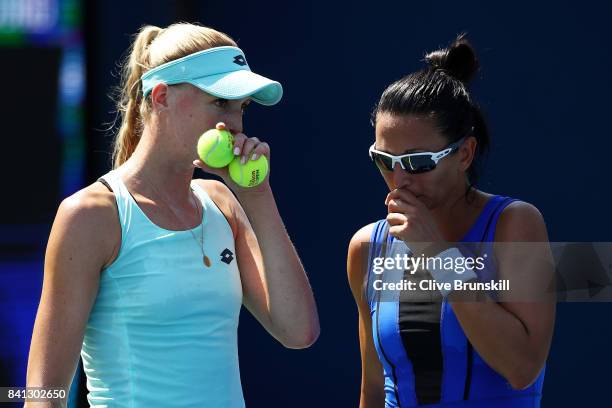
383 162
412 164
418 164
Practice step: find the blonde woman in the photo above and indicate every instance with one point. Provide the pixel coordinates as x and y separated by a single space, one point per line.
146 270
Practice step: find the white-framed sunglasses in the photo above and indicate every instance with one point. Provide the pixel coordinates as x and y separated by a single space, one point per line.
413 163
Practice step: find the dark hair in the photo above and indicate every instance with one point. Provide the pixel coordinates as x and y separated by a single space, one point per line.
439 92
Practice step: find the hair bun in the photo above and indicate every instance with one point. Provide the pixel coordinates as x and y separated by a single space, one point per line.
459 59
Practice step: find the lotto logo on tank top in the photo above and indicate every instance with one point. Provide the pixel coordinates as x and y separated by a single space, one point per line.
227 256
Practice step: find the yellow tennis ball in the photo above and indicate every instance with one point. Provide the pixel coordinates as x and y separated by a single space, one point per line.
249 174
215 147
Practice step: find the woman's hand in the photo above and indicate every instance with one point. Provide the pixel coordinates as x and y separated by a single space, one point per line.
410 220
247 148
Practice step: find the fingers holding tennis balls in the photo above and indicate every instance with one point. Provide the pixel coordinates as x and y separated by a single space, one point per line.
245 158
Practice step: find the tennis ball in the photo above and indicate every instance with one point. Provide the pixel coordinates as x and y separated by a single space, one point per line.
215 147
249 174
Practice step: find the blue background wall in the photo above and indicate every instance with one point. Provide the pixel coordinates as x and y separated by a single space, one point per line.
544 86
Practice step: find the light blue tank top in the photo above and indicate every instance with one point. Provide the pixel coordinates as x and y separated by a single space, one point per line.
163 328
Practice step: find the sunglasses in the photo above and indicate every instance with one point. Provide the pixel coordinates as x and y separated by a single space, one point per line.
413 163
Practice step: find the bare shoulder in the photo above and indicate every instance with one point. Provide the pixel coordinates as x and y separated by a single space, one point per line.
90 216
362 236
215 189
93 203
521 221
357 258
223 197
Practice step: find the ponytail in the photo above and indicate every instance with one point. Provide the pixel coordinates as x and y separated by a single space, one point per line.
131 95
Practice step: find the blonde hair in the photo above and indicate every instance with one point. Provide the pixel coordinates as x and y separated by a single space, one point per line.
152 47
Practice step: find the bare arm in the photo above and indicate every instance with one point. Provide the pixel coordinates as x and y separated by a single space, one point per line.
80 243
372 378
519 345
276 289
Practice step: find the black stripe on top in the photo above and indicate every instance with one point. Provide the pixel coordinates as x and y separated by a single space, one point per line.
103 181
419 325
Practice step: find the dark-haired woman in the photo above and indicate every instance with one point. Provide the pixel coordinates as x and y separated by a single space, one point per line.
435 348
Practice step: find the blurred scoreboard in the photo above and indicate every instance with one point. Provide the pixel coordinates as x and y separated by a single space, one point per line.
42 72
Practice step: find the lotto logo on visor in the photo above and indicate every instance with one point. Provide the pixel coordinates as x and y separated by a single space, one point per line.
239 59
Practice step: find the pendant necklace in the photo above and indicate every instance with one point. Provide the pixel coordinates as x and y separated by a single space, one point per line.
201 215
205 258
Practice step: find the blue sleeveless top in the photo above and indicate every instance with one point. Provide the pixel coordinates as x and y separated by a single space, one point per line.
163 329
426 357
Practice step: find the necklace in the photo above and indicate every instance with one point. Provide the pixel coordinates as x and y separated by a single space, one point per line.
200 242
